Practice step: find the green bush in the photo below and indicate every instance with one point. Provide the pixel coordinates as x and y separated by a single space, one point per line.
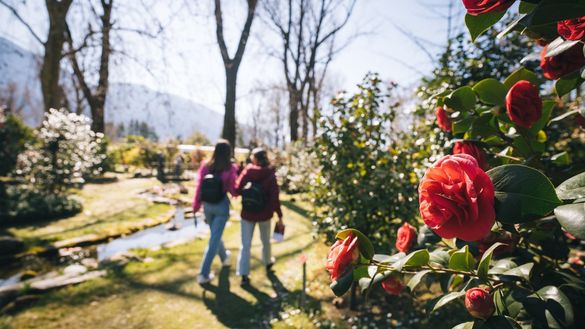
19 203
366 180
14 135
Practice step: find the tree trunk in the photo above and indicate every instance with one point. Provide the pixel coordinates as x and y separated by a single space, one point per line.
98 108
51 68
293 116
229 118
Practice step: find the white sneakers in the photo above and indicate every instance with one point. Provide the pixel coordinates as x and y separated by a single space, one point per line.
204 280
226 262
228 257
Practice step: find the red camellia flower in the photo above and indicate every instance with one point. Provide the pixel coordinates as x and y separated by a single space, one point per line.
572 29
392 285
564 63
475 151
479 303
342 255
478 7
405 237
457 198
443 119
523 104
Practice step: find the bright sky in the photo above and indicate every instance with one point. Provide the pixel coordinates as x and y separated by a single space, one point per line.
185 60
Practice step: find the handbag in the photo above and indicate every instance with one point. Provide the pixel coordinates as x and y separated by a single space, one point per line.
278 234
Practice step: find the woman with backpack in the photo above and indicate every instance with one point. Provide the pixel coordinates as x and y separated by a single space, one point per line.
260 200
216 178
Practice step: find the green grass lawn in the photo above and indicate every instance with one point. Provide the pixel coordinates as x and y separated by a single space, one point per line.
163 293
107 209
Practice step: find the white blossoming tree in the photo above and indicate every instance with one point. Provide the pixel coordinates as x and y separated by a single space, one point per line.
66 150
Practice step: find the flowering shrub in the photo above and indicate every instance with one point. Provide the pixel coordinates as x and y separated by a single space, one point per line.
506 233
297 168
65 151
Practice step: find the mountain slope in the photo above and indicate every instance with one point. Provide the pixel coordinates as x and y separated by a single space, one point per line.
170 115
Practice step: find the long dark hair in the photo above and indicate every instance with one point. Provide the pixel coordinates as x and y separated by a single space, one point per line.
261 157
222 157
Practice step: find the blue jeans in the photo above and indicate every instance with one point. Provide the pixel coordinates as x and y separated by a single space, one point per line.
217 215
245 249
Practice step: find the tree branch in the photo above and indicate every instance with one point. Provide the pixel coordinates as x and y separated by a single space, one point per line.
17 15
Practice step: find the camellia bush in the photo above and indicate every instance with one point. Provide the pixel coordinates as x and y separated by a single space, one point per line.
497 233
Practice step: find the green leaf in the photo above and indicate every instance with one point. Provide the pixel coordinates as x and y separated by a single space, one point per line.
573 188
572 218
461 99
550 305
414 259
481 23
522 271
552 11
486 258
447 299
365 245
547 107
522 193
440 256
465 325
463 125
526 7
567 83
500 322
462 260
388 258
491 91
415 280
561 159
502 265
559 46
521 74
342 285
360 272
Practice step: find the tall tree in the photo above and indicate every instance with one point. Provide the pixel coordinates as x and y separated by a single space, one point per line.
307 30
96 99
53 46
231 66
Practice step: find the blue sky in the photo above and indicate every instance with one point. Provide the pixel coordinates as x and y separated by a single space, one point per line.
185 60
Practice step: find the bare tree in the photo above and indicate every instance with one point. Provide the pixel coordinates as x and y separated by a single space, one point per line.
231 66
96 99
51 67
308 30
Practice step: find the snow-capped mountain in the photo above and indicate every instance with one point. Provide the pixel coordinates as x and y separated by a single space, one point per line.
170 115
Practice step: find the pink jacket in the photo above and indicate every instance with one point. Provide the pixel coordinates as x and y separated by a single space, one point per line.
228 180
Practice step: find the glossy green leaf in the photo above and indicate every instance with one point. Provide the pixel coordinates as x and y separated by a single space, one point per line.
486 258
491 91
440 256
572 219
415 280
342 285
522 193
414 259
365 245
360 272
561 159
462 260
461 99
526 7
522 271
559 46
388 259
552 11
465 325
502 265
500 322
521 74
573 188
447 299
462 126
566 84
550 305
481 23
547 108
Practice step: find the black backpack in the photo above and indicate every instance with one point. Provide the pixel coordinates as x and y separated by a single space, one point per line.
253 197
212 188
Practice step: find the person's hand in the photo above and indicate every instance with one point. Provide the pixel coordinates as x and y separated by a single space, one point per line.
280 222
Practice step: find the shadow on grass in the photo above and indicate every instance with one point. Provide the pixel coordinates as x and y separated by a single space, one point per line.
296 208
